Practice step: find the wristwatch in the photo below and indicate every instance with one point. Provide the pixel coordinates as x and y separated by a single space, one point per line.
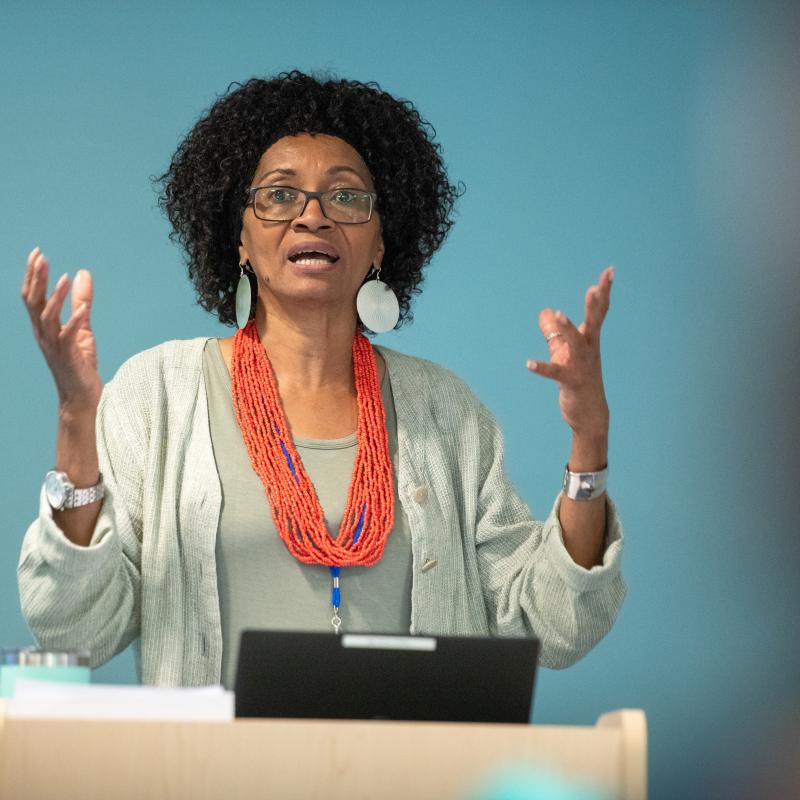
584 485
61 492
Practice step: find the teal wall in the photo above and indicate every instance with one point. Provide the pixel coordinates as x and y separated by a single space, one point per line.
661 138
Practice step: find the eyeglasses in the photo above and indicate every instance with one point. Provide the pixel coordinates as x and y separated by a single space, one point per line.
285 203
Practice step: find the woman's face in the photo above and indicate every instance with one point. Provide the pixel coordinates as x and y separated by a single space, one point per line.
315 163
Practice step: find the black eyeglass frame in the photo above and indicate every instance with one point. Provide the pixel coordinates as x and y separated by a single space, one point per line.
251 201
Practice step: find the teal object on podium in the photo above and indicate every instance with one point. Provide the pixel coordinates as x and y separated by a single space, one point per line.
42 665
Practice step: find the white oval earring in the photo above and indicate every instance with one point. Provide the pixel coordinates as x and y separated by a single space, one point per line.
377 305
244 298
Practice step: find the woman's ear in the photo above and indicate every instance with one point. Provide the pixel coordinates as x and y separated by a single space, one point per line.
243 257
379 252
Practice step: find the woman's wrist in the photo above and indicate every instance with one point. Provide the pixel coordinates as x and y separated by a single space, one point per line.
77 416
589 452
76 448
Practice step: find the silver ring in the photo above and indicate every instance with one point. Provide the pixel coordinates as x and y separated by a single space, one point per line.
553 335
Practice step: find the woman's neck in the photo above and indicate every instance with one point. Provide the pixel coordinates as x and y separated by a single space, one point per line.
311 353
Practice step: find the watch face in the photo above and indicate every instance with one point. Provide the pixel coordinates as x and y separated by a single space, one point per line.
54 489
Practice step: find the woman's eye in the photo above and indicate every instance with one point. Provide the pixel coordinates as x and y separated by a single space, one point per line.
343 196
280 195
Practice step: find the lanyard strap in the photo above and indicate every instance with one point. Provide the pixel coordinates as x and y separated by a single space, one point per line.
336 597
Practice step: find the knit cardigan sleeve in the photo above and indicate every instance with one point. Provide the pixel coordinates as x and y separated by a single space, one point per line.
529 581
76 597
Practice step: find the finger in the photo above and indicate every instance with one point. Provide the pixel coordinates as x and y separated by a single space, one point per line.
592 319
82 288
547 320
36 290
597 303
554 371
51 316
548 325
551 330
605 283
558 330
571 334
29 272
74 323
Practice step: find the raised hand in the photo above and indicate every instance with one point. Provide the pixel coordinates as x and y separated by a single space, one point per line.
70 349
575 362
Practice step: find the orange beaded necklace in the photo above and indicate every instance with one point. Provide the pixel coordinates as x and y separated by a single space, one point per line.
369 512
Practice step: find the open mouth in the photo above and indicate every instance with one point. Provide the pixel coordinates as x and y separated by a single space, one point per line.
313 258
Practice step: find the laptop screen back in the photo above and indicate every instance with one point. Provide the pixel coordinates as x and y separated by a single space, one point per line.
371 676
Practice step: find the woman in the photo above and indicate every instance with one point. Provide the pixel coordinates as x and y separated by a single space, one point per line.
292 475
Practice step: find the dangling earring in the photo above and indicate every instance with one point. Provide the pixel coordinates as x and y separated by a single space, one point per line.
377 304
244 298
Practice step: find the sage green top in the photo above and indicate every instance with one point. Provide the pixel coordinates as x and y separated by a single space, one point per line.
482 565
261 585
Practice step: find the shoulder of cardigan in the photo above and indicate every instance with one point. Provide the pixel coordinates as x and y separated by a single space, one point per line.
413 377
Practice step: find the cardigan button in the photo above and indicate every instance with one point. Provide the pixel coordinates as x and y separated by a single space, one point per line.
421 494
429 564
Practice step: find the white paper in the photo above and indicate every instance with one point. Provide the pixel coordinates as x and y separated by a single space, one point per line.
35 699
371 641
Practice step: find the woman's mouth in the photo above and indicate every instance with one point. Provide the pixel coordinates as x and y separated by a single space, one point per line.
312 259
313 256
313 262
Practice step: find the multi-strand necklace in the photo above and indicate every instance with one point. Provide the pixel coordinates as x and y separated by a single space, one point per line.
296 510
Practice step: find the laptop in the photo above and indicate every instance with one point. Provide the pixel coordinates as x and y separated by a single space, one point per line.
377 676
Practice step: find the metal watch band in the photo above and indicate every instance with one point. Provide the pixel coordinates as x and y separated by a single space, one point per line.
62 494
584 485
82 497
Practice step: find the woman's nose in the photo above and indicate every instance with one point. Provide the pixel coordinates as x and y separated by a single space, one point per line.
312 216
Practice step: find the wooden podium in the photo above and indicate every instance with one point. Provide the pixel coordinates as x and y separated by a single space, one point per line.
288 758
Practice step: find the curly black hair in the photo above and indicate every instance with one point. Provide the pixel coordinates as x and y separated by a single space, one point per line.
204 190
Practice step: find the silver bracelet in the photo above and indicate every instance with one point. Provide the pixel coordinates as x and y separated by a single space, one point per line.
584 485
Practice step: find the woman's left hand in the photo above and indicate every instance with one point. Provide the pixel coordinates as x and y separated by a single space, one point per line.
575 362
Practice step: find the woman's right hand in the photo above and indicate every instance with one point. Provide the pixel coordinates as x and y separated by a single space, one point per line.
70 350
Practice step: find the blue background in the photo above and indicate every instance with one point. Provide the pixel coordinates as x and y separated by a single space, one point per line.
661 138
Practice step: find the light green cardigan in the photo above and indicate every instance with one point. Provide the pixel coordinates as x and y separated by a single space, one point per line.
149 574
